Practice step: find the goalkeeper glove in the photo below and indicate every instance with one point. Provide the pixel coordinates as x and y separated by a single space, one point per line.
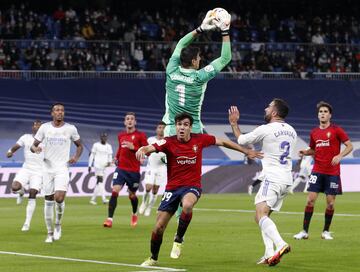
207 23
224 25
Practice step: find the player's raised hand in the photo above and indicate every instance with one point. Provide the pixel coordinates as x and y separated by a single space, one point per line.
252 154
234 115
207 24
224 24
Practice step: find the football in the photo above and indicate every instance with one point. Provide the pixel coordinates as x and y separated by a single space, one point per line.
221 15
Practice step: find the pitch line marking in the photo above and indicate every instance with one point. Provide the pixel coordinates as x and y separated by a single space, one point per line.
157 268
252 211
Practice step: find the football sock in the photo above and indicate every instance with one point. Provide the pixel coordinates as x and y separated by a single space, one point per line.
96 192
145 198
152 200
30 208
328 217
269 228
184 221
59 212
49 214
307 217
296 182
269 245
134 203
112 204
156 240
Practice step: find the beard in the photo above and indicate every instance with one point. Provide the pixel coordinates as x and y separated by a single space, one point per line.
267 118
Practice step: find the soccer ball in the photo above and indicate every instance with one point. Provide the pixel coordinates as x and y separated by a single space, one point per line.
221 15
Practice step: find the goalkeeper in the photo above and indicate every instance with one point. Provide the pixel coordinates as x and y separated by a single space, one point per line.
185 82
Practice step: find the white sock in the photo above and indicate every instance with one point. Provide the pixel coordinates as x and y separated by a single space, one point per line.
269 228
152 200
30 208
146 197
96 192
49 214
102 190
269 245
59 212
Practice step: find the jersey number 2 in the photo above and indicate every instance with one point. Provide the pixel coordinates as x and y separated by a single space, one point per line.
285 148
181 90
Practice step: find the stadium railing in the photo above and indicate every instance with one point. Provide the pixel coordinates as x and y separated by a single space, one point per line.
254 75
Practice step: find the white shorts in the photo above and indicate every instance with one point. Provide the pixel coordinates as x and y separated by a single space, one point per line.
156 176
99 172
57 180
272 193
28 178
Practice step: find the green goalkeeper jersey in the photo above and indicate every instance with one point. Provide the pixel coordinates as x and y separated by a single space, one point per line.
185 88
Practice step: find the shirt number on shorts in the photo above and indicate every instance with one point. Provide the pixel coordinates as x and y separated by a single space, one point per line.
285 148
181 90
166 196
312 179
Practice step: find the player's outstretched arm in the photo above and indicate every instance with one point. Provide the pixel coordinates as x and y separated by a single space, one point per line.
225 56
342 154
79 150
251 154
307 152
185 41
12 150
143 151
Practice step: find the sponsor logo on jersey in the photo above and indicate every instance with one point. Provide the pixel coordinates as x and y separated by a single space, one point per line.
195 148
321 143
181 78
185 160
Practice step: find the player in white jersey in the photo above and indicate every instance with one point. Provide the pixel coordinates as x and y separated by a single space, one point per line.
56 137
156 173
278 141
30 174
304 173
101 157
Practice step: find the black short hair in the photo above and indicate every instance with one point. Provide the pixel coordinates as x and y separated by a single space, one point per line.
37 121
282 107
56 104
161 123
102 134
324 104
130 113
183 115
187 55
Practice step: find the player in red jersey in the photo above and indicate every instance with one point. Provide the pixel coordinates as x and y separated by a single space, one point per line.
184 161
128 167
325 146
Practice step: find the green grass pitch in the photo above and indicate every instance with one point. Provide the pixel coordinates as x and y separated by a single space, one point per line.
221 237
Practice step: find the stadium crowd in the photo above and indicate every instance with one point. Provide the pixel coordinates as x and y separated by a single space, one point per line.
102 39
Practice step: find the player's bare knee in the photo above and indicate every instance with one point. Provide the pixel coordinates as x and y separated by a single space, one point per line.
16 186
330 205
155 190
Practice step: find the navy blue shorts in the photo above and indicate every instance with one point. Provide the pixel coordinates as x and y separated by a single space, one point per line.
132 179
328 184
171 199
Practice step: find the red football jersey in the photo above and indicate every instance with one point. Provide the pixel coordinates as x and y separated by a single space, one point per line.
327 144
126 157
184 160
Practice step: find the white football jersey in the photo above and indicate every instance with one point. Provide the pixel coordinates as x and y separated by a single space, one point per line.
32 161
57 143
101 154
278 141
306 163
156 159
